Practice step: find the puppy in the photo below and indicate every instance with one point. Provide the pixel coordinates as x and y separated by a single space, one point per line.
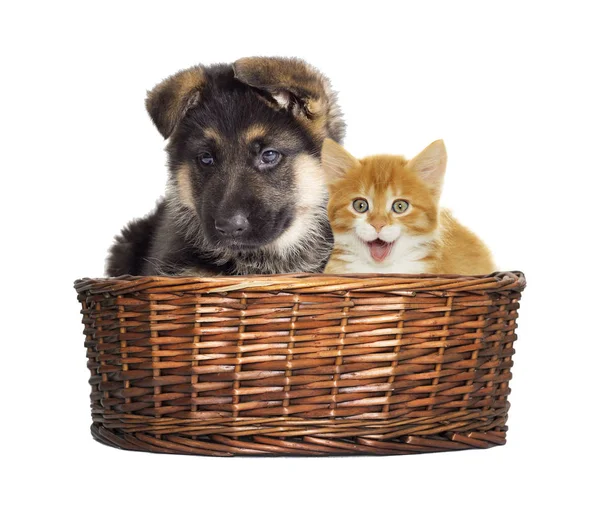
245 193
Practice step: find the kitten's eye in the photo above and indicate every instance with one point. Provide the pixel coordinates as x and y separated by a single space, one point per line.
270 157
206 159
360 205
399 206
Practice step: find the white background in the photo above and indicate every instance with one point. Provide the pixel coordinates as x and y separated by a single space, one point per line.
513 90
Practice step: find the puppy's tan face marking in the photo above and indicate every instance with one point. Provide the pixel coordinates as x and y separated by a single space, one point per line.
310 183
254 133
213 135
311 192
184 187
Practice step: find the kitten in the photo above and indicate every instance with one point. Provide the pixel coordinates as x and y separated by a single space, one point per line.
385 215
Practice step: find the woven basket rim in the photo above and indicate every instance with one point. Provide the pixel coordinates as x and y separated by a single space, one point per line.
306 283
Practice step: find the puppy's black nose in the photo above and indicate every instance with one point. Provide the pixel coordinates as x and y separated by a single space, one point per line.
235 225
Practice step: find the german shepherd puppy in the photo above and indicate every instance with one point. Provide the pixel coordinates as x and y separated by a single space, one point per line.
246 193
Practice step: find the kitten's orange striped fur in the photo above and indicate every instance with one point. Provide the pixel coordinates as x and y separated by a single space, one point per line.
384 238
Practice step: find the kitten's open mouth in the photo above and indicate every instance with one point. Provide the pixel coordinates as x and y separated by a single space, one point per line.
379 249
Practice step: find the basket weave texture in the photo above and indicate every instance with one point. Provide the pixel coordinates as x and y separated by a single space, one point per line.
300 364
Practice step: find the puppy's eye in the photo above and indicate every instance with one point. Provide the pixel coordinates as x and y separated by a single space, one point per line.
360 205
270 157
399 206
206 159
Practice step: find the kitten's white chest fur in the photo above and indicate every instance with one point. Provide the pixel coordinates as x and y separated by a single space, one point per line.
403 267
406 256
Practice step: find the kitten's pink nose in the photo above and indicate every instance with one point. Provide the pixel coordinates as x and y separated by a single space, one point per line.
378 225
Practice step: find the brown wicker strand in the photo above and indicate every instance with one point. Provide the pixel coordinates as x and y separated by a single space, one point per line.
442 348
397 348
290 352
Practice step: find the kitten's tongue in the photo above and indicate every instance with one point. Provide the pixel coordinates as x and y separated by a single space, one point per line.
379 250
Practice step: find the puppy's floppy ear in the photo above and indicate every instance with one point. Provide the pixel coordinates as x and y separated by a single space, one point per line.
169 101
336 161
298 87
430 164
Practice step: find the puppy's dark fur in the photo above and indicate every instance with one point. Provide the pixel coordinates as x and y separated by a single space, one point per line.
229 208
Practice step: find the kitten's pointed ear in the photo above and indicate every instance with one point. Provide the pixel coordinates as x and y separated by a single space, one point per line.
430 164
168 102
336 161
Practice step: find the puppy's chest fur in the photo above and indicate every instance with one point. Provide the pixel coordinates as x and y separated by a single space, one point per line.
180 249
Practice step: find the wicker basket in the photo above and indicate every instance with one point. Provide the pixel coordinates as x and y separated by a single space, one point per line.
300 364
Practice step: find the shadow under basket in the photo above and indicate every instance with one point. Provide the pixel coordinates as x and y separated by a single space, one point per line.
300 364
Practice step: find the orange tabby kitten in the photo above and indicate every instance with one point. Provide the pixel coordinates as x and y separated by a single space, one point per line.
385 215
